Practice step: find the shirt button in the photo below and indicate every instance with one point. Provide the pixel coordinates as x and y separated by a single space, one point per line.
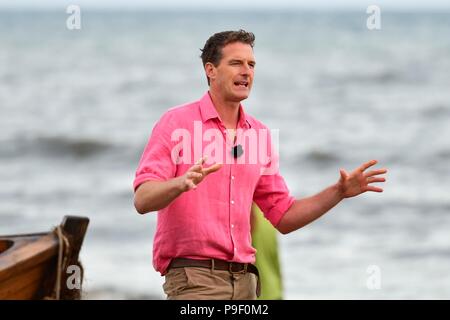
232 225
232 201
235 249
232 177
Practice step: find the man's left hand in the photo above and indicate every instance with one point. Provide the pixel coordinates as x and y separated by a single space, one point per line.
358 181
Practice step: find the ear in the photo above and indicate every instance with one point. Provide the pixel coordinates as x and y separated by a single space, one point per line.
210 70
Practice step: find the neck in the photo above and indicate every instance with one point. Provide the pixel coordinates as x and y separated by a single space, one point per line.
227 110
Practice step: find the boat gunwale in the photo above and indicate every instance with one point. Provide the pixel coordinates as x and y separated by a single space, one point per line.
27 252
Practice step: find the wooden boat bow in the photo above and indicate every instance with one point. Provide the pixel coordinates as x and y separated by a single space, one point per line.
30 264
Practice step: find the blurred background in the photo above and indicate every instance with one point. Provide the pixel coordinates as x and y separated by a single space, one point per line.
77 108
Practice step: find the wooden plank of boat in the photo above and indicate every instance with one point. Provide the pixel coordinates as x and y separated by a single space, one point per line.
29 263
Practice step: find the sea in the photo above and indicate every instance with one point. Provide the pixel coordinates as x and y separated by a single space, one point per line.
77 107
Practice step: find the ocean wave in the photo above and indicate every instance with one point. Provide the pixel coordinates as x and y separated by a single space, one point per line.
436 111
417 254
443 155
321 157
54 146
383 77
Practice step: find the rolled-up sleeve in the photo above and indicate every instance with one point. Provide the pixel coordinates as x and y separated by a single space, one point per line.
273 197
271 192
156 163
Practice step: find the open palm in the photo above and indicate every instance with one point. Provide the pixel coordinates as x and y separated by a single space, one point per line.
358 181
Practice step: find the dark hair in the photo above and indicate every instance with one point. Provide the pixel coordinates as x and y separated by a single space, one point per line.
212 51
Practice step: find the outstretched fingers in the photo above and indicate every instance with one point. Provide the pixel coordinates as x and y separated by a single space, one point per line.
202 160
197 173
212 169
193 175
195 168
374 189
367 165
375 172
371 180
373 177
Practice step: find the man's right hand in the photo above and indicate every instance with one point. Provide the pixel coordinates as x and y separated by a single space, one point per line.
156 195
195 174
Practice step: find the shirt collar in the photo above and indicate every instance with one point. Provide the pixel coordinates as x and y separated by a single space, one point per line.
208 111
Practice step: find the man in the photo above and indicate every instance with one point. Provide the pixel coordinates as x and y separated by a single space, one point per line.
202 243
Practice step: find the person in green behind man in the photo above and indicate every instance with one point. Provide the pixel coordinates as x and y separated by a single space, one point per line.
264 240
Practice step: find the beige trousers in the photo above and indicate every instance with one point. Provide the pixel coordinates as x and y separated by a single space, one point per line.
196 283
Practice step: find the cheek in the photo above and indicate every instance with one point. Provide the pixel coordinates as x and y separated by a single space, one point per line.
223 81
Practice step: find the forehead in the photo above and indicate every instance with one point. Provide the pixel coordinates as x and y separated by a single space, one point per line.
237 50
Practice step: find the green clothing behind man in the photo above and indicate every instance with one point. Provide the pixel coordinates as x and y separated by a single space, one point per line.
264 240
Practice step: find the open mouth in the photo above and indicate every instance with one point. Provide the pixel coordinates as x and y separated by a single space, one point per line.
241 84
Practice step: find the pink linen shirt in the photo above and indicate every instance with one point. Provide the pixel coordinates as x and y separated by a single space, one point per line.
213 220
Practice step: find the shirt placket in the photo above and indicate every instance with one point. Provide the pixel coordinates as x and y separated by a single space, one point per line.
232 192
233 211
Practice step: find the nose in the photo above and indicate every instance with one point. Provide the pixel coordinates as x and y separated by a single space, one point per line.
245 69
